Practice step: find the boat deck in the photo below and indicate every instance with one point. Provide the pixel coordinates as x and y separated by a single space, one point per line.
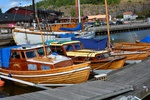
131 80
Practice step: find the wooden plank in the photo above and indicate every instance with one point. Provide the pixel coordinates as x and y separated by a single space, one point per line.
136 75
85 91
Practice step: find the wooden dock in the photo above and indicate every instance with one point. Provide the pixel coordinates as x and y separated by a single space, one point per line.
121 28
6 39
87 91
129 81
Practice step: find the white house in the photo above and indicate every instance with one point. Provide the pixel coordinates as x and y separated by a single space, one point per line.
129 16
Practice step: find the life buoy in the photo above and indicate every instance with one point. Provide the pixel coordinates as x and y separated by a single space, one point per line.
2 83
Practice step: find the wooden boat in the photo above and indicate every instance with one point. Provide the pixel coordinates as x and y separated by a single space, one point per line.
28 63
132 56
134 44
136 47
100 60
130 47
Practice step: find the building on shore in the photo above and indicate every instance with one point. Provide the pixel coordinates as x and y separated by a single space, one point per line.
22 14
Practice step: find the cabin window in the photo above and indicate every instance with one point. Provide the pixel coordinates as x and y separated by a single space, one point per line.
32 67
15 55
100 56
31 54
57 49
40 51
77 46
48 50
43 67
107 55
69 47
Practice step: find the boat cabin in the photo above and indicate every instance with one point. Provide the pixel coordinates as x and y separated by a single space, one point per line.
31 58
75 50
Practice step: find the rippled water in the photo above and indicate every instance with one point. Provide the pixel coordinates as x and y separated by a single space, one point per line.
11 89
126 36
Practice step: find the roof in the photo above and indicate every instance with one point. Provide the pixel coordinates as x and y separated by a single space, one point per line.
61 43
85 53
127 13
38 10
13 17
96 16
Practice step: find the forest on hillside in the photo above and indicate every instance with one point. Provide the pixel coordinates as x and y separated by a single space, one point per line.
59 3
94 7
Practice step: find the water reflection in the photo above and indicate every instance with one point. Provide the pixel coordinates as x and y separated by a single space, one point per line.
11 89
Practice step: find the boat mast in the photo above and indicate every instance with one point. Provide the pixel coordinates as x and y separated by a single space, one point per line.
78 14
36 18
108 28
41 35
34 12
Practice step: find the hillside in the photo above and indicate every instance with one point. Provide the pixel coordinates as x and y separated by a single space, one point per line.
139 7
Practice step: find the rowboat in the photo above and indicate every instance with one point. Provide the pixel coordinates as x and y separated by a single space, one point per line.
30 63
131 56
134 47
100 59
130 47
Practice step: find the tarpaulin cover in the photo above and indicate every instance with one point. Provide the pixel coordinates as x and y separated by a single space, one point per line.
67 35
93 43
146 39
79 27
5 56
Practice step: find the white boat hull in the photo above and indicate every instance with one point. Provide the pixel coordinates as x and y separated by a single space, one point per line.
34 37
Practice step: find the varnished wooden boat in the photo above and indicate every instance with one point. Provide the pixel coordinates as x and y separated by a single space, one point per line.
126 46
137 43
129 46
100 60
28 63
132 56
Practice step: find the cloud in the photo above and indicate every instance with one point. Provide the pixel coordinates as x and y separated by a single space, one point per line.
7 4
14 4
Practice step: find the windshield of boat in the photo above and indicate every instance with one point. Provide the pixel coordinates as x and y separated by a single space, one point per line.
107 55
68 47
40 51
103 56
77 46
31 54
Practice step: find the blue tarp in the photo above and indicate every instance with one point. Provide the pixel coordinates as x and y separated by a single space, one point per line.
93 43
146 39
67 35
79 27
5 56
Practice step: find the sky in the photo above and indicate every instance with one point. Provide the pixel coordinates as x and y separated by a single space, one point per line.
7 4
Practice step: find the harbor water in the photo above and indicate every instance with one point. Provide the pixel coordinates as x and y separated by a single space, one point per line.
129 36
11 89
